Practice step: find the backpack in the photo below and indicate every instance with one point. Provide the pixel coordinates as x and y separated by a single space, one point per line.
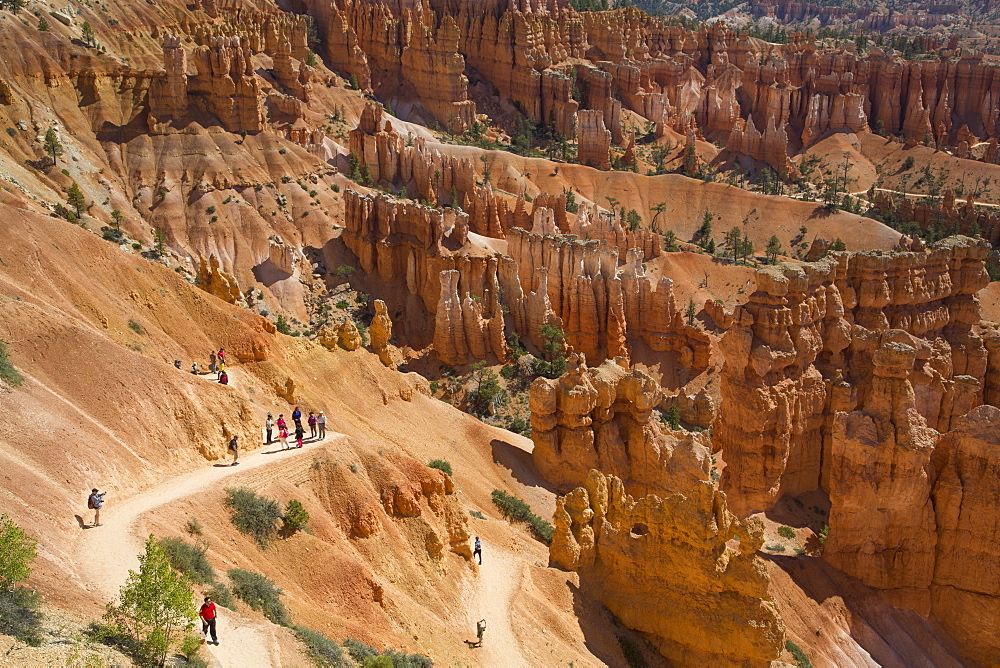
232 444
90 502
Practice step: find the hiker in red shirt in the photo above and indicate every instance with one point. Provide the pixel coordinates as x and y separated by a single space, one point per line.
207 614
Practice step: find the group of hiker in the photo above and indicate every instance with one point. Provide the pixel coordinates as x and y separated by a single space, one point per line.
316 423
216 365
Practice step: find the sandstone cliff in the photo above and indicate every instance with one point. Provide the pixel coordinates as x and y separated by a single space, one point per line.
803 349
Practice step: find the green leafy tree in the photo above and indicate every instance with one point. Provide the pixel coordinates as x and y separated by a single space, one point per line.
670 241
87 32
155 605
658 208
53 147
295 517
17 552
773 249
116 219
673 417
691 312
633 219
838 245
75 198
43 25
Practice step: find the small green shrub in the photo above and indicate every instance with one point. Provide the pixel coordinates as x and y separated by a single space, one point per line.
786 532
12 132
478 515
7 371
17 552
800 656
775 548
20 616
136 327
295 517
516 510
322 650
908 163
343 305
190 646
221 594
335 188
441 465
193 527
189 559
259 593
253 515
369 657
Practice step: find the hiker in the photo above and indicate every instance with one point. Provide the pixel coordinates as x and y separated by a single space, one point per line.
177 363
234 447
312 425
95 502
478 549
480 630
268 426
194 368
283 437
222 355
297 417
222 368
213 362
281 421
299 433
224 378
207 614
321 424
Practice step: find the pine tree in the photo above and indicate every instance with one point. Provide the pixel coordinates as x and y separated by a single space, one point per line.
75 198
733 242
154 605
691 312
773 249
52 145
87 33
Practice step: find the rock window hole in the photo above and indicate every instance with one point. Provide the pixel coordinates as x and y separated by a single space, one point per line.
639 530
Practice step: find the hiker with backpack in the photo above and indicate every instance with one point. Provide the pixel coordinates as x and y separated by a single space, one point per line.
268 427
208 616
299 433
321 424
312 425
234 447
224 378
95 502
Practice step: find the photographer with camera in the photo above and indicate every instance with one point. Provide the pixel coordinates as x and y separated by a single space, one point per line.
94 502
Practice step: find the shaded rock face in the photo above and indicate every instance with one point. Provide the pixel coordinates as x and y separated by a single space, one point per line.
593 140
806 344
913 511
680 568
644 525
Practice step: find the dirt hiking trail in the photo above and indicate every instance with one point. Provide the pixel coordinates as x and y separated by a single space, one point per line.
498 579
105 554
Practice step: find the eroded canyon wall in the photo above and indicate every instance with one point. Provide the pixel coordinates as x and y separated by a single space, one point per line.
644 525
